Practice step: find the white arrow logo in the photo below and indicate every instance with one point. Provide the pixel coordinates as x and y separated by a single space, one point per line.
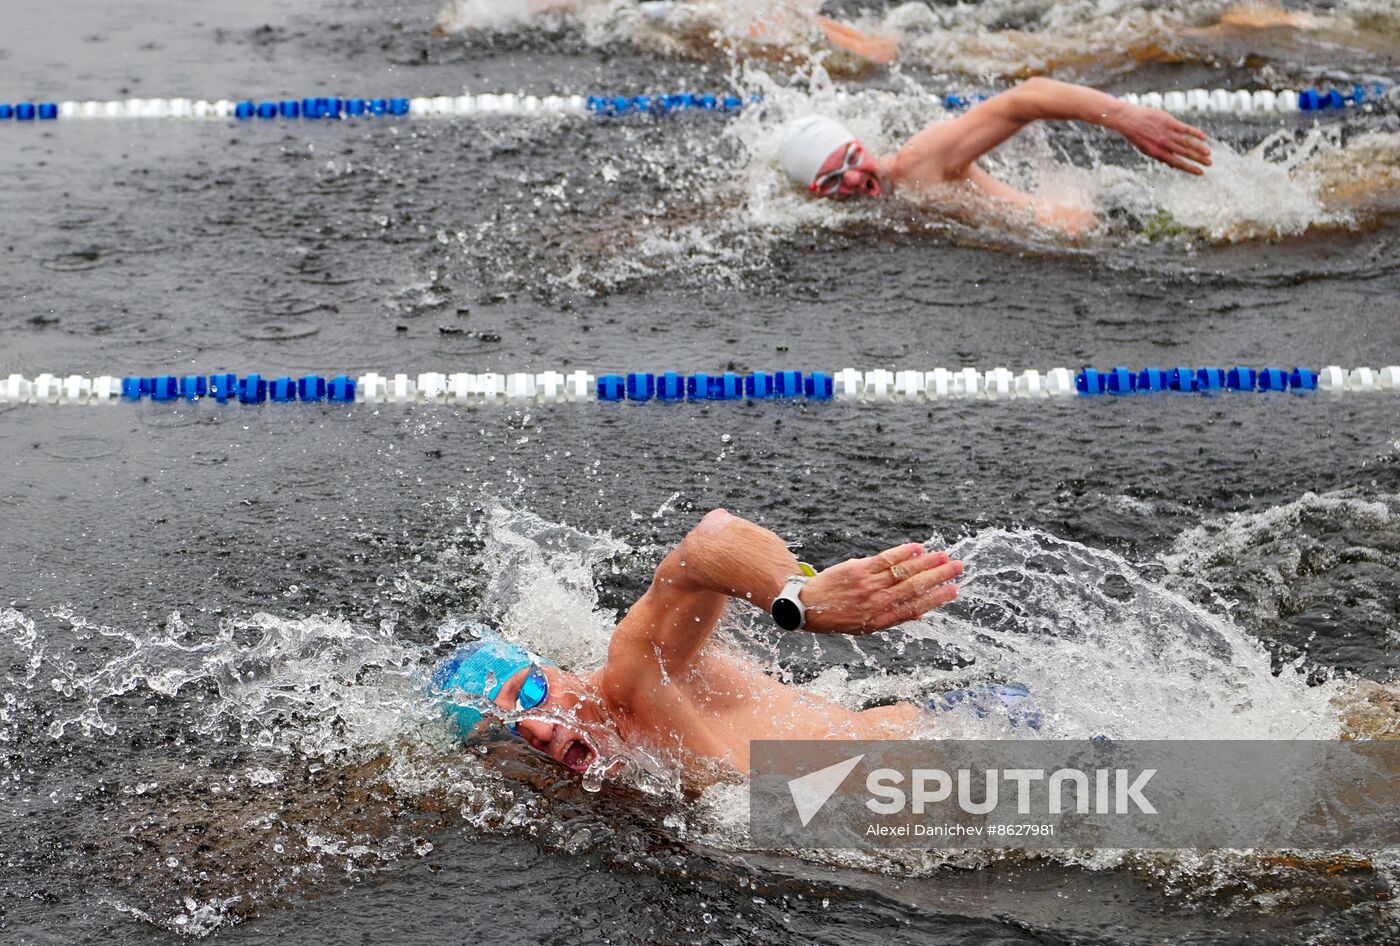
811 791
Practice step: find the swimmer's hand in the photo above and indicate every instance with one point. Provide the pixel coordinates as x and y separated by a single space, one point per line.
865 595
1159 135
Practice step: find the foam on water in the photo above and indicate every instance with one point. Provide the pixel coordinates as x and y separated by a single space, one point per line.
693 27
1266 191
1107 38
999 38
462 15
1304 557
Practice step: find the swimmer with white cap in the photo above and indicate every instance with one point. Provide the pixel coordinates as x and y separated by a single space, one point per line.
822 156
664 688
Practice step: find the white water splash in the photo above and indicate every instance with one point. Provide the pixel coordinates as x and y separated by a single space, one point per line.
992 38
460 16
1104 651
541 587
1262 563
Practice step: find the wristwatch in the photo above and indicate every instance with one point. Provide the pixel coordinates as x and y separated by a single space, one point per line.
787 609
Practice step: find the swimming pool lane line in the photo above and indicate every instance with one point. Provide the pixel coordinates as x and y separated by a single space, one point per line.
848 384
1242 103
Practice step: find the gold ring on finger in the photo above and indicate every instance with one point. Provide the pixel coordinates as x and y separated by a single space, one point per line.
898 573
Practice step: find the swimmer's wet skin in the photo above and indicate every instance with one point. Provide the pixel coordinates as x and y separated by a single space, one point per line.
662 689
824 157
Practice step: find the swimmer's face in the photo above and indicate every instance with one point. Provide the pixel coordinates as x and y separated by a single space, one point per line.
568 699
851 171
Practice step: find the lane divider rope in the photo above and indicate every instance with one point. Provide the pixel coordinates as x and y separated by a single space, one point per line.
1261 102
1239 102
848 384
334 107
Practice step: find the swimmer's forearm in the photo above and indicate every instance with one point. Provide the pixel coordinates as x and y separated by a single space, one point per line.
1041 99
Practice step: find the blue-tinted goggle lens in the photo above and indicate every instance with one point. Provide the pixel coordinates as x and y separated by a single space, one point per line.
534 691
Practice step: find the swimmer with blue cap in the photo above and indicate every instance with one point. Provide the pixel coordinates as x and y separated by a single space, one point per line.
513 678
665 688
822 156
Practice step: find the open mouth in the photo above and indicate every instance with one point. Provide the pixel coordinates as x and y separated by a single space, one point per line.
577 756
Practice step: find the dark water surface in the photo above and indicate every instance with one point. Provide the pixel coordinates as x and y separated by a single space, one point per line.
174 764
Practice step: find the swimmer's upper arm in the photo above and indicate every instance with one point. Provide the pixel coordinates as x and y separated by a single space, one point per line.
668 624
724 556
946 151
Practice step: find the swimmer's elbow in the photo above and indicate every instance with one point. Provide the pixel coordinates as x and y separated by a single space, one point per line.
1037 85
1025 101
692 558
673 569
713 521
706 533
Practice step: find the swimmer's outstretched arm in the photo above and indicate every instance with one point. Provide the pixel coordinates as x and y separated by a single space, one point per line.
948 151
728 557
877 48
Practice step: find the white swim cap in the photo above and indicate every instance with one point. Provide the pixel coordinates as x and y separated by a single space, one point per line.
807 144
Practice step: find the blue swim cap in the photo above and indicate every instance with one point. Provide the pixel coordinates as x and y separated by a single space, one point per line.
479 669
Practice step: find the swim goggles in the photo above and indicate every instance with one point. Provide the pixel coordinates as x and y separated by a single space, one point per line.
533 692
830 182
